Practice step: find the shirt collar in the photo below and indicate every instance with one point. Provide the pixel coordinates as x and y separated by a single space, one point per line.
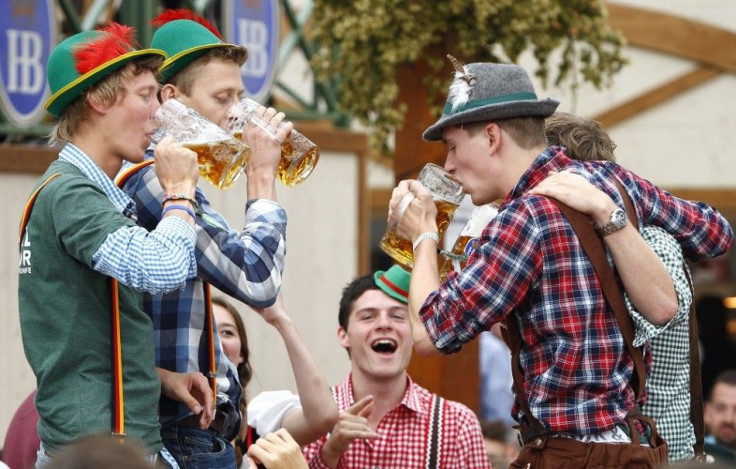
73 155
411 400
551 159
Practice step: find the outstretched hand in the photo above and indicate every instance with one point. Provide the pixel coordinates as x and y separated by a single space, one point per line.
352 424
192 389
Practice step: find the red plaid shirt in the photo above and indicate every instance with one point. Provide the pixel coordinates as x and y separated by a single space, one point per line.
529 263
403 442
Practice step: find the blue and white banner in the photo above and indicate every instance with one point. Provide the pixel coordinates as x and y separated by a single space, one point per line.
255 25
27 35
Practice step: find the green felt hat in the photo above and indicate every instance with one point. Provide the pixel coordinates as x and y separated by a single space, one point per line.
184 41
71 74
394 282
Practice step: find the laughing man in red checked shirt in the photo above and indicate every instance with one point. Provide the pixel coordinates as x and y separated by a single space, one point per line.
529 266
386 420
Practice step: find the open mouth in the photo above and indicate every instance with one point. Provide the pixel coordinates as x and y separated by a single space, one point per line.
386 346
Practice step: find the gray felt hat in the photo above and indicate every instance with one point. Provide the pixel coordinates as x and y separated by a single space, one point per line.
487 92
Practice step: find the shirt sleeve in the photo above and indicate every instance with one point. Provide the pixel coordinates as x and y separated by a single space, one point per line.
154 262
667 249
266 411
494 282
247 264
701 231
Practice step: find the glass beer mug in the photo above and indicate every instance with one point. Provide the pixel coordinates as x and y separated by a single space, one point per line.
447 194
221 156
467 241
299 155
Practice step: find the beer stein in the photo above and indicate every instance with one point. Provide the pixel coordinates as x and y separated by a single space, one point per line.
221 156
299 155
467 241
447 194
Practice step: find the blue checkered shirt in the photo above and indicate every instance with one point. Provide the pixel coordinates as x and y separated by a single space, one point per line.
149 262
247 265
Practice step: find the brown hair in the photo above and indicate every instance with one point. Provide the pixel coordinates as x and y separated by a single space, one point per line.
245 371
106 92
527 132
184 79
584 139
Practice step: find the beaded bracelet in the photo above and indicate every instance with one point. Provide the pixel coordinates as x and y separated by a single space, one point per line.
168 197
179 207
425 235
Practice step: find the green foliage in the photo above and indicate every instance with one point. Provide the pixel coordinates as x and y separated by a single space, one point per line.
362 44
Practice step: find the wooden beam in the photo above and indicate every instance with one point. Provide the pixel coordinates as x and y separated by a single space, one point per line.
26 158
675 35
657 96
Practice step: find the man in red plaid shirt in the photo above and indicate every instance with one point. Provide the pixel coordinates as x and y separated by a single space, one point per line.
529 264
386 420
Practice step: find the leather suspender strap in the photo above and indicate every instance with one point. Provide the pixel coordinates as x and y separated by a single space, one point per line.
118 408
29 206
696 391
209 325
593 247
434 433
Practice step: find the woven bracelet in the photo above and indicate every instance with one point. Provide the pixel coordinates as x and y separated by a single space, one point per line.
191 200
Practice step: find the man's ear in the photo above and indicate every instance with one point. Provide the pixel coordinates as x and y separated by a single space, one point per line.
96 104
342 337
168 91
493 134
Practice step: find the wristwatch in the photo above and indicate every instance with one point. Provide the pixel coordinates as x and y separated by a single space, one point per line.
618 221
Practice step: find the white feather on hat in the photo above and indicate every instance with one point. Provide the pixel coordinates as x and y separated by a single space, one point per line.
462 86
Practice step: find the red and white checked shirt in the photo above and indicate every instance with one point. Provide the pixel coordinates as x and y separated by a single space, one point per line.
403 442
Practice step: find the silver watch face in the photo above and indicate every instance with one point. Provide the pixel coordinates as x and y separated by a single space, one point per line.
618 218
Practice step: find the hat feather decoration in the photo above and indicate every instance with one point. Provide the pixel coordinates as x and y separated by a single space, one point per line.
183 14
461 88
118 40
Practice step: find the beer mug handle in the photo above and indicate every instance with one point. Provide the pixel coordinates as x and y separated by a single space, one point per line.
454 257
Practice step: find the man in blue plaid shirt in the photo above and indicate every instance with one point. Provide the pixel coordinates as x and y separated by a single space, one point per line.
203 72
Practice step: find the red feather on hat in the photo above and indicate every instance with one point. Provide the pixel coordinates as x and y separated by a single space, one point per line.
183 14
117 40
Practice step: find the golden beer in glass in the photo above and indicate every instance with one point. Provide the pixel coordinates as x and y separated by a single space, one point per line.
221 156
447 194
216 164
299 155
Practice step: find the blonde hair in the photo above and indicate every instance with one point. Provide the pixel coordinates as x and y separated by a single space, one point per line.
107 91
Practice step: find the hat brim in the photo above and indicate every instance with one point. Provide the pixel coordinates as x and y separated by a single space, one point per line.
391 290
492 112
56 104
177 62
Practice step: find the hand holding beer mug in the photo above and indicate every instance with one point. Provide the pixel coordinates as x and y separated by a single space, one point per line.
221 156
299 155
447 194
467 241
